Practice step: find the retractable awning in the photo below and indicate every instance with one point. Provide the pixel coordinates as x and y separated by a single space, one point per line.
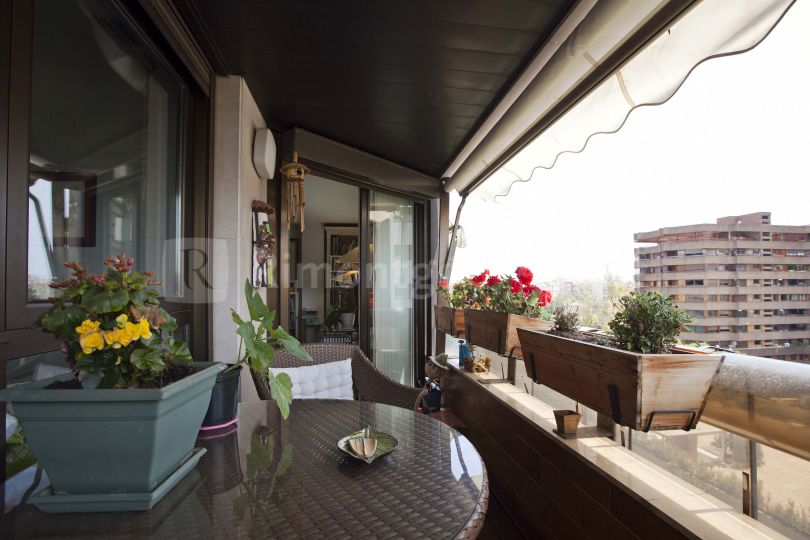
558 113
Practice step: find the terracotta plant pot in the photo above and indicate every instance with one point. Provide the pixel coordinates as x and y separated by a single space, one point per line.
640 391
567 421
450 321
497 332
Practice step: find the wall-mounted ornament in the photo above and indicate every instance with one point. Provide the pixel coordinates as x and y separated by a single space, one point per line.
294 174
264 244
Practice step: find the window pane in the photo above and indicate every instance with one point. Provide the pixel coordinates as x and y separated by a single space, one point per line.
103 171
392 257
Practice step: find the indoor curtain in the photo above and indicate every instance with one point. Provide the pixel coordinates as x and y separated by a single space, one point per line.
392 332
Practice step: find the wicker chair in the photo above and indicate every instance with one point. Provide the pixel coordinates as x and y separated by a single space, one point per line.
369 383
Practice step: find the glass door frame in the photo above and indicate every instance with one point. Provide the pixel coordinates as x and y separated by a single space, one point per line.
421 299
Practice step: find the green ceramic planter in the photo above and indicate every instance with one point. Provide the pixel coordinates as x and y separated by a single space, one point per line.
112 441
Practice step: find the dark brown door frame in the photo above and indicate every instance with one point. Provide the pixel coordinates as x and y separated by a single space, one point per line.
364 292
5 77
5 81
422 290
19 313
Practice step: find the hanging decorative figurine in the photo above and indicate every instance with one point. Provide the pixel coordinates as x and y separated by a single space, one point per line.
264 242
294 174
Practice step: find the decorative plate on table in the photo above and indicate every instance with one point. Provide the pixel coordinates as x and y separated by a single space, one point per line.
368 444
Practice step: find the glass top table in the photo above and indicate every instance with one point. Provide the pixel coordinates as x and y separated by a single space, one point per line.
288 479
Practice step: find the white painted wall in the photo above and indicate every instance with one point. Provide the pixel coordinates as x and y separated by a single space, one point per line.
236 185
327 201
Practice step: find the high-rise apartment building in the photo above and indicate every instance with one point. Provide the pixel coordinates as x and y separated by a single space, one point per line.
744 281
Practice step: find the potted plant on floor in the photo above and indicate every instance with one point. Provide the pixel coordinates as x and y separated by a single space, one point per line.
118 432
502 305
342 318
258 342
631 375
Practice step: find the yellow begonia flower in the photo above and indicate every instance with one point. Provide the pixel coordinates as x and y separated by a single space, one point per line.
125 336
134 330
121 320
146 333
87 326
91 341
111 338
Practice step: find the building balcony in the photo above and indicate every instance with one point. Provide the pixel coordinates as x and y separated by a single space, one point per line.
747 290
584 484
749 319
666 260
749 305
724 244
776 335
726 274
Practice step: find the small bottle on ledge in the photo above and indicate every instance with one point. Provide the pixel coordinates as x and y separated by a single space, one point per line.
462 353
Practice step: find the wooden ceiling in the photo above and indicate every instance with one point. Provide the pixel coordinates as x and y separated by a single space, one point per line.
408 81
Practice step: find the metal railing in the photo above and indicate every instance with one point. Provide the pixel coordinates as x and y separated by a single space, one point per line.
765 400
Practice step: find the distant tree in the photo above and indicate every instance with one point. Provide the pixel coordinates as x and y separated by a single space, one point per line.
594 301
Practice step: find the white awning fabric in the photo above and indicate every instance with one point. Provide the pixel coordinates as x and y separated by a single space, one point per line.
709 29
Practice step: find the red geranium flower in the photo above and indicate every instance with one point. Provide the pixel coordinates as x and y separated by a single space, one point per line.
545 298
529 289
514 286
493 280
524 275
443 283
479 280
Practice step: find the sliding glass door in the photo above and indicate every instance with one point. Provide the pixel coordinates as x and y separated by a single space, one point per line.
392 261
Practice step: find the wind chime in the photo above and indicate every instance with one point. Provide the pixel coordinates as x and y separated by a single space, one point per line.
294 174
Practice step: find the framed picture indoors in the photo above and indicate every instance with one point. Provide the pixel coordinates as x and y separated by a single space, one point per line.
67 202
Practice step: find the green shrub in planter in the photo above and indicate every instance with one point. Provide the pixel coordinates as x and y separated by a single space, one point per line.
647 323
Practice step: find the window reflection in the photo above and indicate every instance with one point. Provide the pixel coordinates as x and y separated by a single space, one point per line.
103 175
465 461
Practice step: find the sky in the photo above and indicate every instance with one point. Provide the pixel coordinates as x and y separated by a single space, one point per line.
733 140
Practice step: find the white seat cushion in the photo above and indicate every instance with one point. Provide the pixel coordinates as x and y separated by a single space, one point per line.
332 380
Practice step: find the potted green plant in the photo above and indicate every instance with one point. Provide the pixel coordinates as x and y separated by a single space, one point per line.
118 432
258 342
502 304
450 317
341 318
631 375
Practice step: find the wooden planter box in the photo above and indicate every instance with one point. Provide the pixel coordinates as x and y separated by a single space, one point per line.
640 391
450 321
498 331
